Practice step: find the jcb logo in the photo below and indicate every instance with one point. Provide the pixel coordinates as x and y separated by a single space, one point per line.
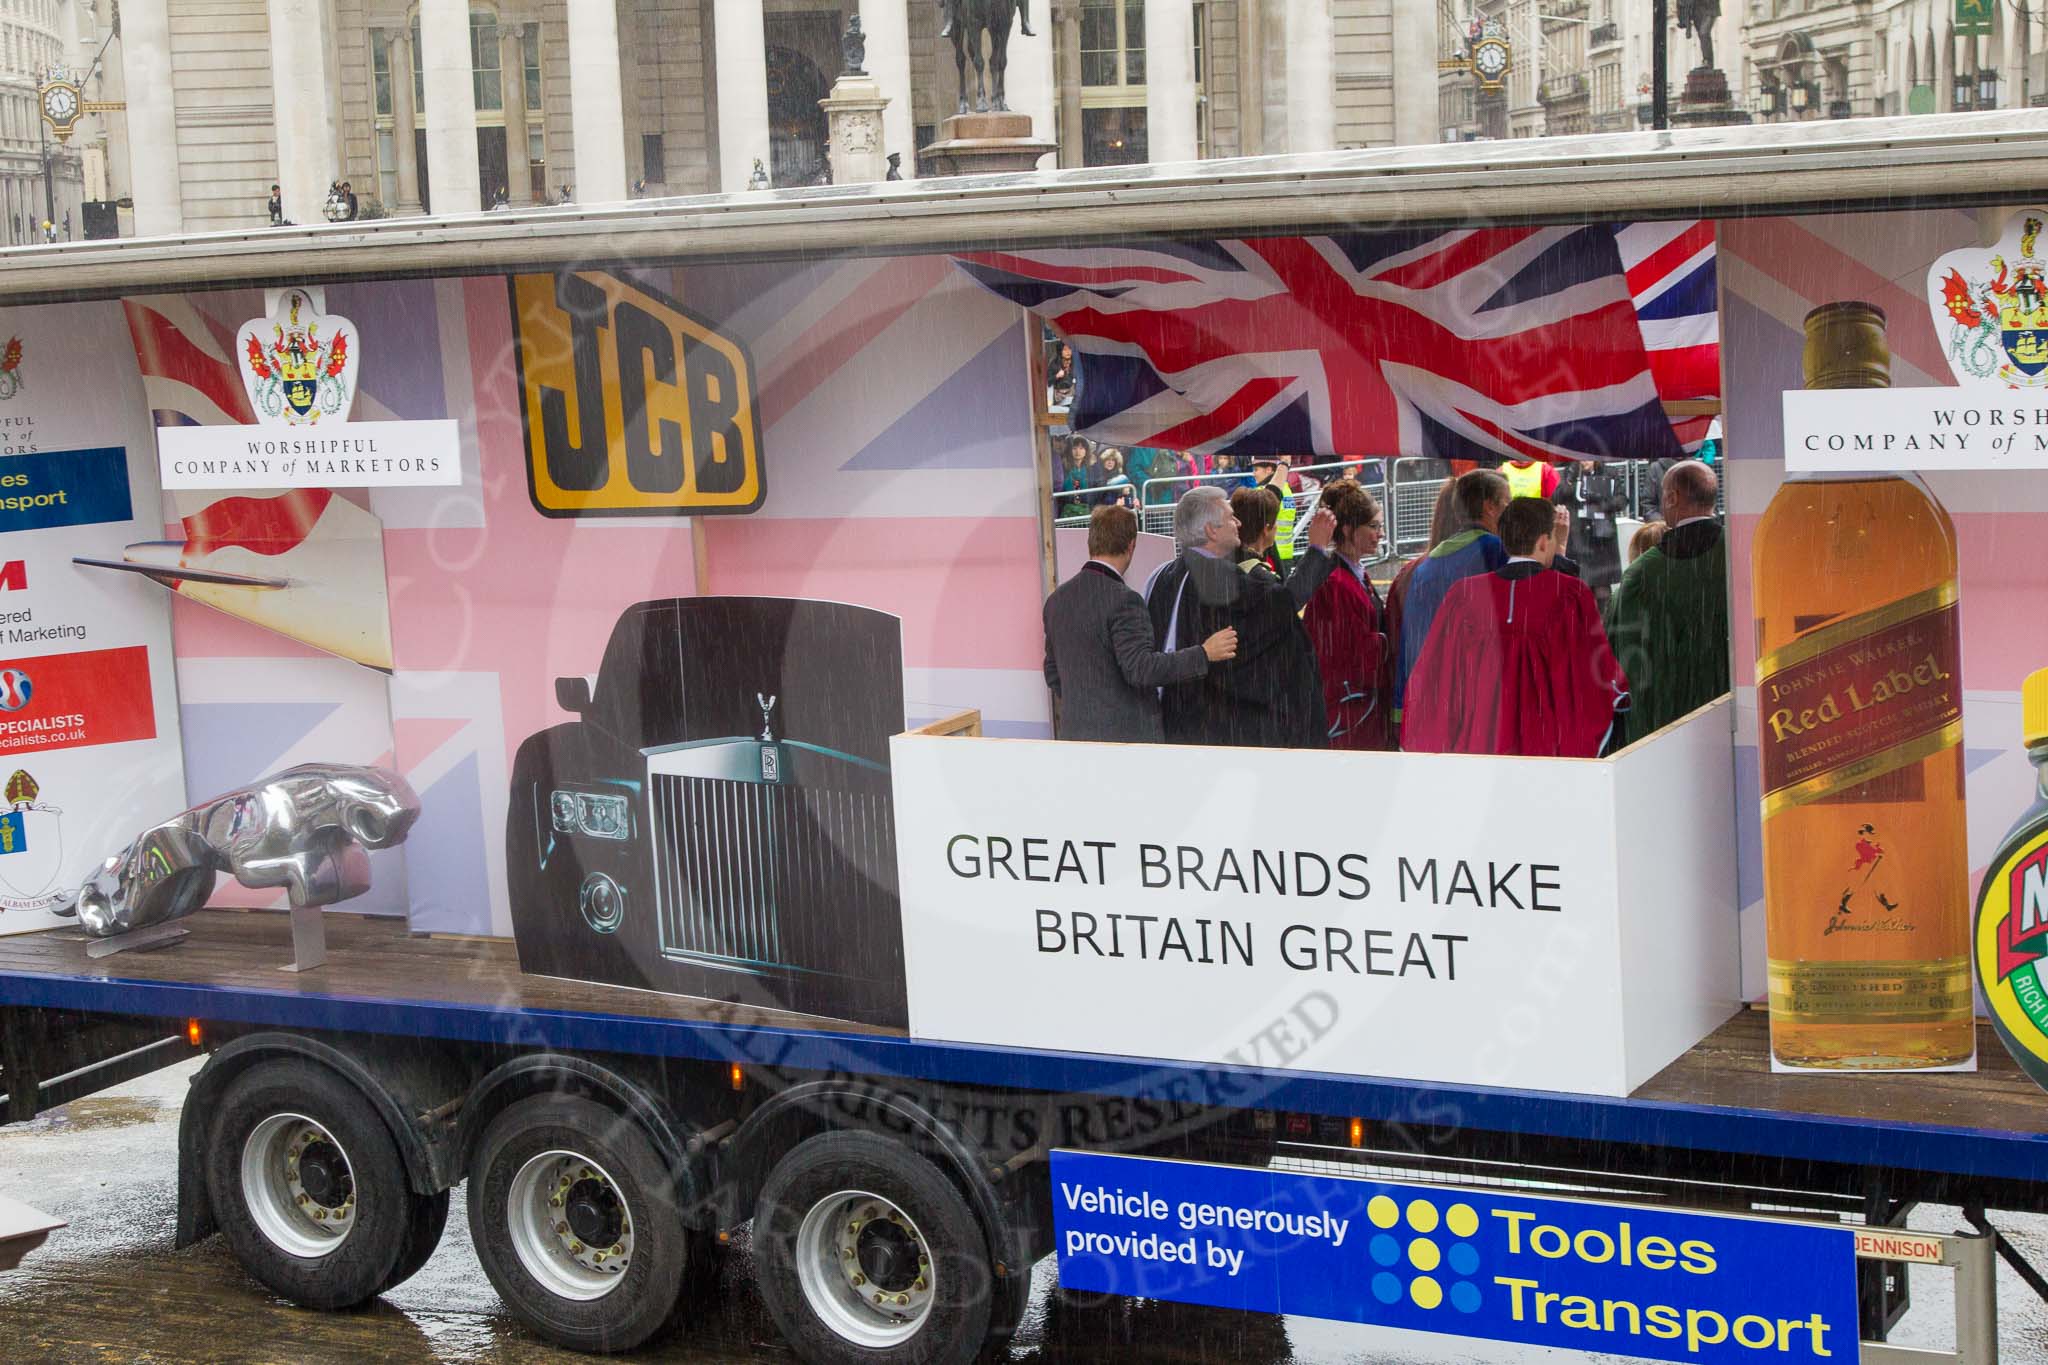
632 406
14 575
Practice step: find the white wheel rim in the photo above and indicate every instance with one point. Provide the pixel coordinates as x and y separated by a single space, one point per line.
865 1269
298 1185
550 1191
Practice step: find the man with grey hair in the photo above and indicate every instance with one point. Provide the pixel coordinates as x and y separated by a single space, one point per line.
1271 694
1668 620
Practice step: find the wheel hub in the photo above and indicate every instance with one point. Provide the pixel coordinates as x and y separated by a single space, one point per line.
297 1185
570 1226
324 1174
865 1268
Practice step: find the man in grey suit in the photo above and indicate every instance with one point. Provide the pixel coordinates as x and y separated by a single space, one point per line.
1100 661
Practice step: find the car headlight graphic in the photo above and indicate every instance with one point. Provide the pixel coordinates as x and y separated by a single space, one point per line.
603 903
600 817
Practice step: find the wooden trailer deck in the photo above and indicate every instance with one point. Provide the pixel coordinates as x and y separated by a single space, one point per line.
1720 1097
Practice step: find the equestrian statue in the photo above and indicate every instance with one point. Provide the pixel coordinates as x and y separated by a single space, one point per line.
964 21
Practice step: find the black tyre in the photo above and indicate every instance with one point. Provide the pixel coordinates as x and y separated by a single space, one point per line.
307 1183
865 1252
429 1221
574 1219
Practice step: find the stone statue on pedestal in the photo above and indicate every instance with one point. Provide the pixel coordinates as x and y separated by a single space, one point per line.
1696 19
853 48
965 21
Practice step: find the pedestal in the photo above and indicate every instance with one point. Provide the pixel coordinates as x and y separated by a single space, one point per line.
985 144
853 116
1705 103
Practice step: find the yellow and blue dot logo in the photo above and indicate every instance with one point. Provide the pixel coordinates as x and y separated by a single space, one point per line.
1424 1255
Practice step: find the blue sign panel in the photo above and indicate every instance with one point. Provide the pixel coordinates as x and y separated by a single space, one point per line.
13 832
64 488
1658 1283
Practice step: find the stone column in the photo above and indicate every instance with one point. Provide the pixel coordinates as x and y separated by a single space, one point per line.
512 66
405 166
1945 70
452 174
2012 57
1073 149
887 26
302 102
1028 80
740 67
1311 77
1416 116
1170 133
152 119
1251 79
597 110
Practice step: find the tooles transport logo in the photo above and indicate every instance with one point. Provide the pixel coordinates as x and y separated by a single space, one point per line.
632 405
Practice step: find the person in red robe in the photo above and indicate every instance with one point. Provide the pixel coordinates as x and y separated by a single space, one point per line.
1517 661
1348 628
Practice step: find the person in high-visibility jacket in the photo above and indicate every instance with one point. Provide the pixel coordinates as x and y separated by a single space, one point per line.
1530 478
1269 471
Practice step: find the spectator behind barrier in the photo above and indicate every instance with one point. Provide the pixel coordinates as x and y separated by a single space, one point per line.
1669 617
1479 498
1346 625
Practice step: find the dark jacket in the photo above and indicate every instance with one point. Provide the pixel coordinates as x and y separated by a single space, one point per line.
1100 662
1271 694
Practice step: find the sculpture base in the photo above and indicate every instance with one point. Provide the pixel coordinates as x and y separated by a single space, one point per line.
985 144
853 117
148 936
1705 103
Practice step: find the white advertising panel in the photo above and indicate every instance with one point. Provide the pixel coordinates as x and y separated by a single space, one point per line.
1843 431
89 749
417 454
1438 917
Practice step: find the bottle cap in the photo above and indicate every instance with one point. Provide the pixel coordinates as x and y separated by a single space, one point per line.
1845 347
2034 708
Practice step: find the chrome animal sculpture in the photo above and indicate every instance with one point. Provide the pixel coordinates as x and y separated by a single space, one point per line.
307 829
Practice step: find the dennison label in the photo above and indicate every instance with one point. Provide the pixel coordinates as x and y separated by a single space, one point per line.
1860 698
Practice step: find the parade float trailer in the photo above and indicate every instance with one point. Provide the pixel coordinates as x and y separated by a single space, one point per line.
681 566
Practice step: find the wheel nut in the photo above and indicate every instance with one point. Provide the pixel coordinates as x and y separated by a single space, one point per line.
859 1279
879 1298
902 1299
319 1215
575 1248
919 1286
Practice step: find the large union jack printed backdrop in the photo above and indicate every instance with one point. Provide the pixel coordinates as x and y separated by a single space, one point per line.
1469 344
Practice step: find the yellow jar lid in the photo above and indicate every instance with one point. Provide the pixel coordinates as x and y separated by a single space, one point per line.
2034 708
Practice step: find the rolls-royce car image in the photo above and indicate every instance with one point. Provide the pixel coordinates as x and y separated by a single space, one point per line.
717 820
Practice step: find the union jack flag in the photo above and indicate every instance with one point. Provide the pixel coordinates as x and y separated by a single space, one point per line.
1469 344
1671 279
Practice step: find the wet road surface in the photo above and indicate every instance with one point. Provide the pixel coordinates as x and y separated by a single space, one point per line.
109 1288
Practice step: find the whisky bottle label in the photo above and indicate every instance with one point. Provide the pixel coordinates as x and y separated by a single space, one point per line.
1859 698
1865 993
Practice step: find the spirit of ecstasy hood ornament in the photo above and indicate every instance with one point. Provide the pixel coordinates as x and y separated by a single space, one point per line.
767 704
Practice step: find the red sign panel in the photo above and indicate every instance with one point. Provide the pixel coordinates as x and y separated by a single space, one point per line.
67 701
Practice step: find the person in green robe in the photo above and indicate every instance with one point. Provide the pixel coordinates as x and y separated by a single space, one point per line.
1668 621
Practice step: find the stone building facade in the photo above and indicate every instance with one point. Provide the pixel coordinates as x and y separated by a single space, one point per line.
454 105
36 37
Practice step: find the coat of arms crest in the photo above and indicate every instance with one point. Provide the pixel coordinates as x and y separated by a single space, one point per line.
10 369
1991 308
298 365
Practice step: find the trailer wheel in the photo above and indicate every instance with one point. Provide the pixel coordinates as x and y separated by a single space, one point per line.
308 1186
573 1218
867 1253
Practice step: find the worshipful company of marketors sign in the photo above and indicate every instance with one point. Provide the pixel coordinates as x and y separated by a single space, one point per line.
299 368
1990 311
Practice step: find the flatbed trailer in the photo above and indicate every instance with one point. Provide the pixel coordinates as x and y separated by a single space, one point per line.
434 1050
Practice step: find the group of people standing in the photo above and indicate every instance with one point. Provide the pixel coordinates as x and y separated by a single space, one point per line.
1490 642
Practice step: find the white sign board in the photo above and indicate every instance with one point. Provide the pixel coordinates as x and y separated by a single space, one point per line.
1842 431
417 454
89 748
1543 924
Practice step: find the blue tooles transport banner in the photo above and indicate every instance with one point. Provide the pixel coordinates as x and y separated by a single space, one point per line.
1657 1283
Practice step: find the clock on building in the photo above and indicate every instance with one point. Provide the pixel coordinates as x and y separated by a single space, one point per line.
1490 58
60 103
